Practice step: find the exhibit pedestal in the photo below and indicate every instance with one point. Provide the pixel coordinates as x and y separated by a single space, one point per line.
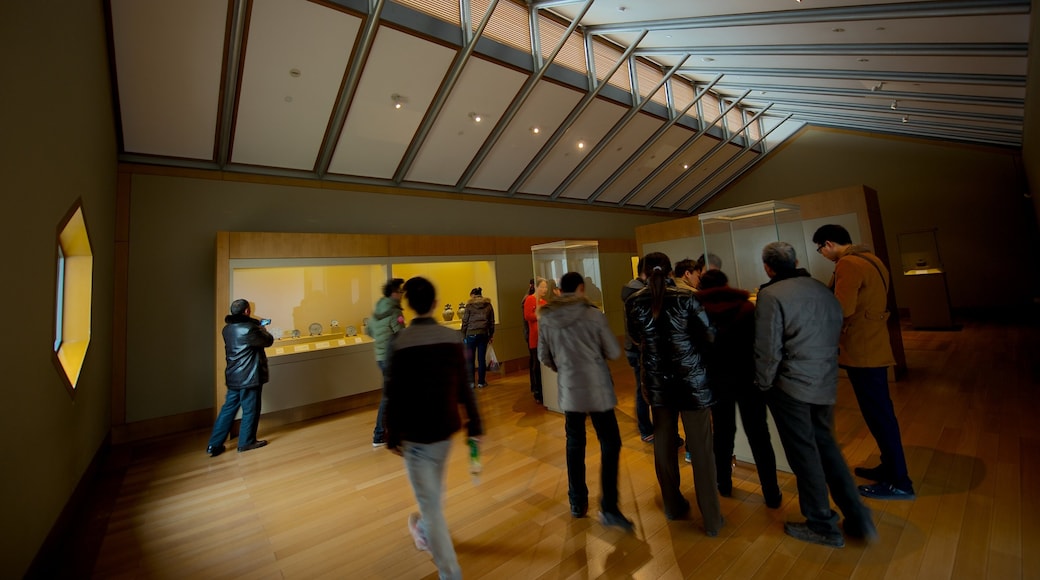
928 300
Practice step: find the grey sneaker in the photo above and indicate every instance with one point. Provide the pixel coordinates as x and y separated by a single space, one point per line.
801 531
417 534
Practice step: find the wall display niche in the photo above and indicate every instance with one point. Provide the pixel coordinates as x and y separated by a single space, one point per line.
737 235
551 261
924 280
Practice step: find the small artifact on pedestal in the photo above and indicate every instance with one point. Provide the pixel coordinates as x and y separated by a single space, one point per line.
448 313
462 309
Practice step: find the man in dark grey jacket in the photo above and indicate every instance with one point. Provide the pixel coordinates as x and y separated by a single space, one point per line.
575 340
244 342
797 323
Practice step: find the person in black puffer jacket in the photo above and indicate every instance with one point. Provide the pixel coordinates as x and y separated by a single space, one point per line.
731 375
672 332
478 328
244 342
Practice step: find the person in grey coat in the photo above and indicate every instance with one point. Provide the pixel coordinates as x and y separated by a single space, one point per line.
797 324
575 341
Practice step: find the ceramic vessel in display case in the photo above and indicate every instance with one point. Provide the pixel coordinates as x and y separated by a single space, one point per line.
737 235
924 280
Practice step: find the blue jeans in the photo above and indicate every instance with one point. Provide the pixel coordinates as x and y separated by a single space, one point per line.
871 388
807 433
249 401
476 356
379 434
425 463
646 426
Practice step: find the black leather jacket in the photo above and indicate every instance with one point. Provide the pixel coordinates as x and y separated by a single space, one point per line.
671 348
244 343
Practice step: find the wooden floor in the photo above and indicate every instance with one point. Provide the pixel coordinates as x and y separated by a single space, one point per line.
320 502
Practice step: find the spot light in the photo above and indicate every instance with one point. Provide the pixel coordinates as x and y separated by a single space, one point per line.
398 100
581 144
476 117
906 118
894 105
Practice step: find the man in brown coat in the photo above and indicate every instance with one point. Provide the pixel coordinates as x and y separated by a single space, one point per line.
860 284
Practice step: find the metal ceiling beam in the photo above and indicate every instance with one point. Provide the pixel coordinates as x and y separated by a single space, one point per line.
732 177
704 159
229 92
675 154
887 130
720 169
349 88
576 112
900 95
519 99
450 80
911 125
870 76
613 132
937 9
649 142
921 119
908 110
990 49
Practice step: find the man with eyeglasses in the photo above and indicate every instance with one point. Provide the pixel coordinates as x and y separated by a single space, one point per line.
860 283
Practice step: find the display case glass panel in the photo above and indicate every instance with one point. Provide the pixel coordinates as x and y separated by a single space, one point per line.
453 282
737 235
919 253
553 260
311 307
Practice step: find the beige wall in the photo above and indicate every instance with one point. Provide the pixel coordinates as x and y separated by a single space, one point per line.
173 228
58 145
973 195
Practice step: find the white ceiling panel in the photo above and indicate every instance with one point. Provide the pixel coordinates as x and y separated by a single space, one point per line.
168 58
296 54
376 134
483 92
672 139
617 151
701 193
545 109
704 168
587 130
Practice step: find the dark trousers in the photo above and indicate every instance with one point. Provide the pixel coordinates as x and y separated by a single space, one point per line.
807 433
249 401
606 427
697 425
871 388
752 405
646 426
476 356
379 433
536 374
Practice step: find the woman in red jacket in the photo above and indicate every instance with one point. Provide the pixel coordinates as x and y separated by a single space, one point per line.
531 304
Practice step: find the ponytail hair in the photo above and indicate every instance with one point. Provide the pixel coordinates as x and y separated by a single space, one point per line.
657 267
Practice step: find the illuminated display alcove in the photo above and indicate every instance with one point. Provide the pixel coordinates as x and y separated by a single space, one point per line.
75 265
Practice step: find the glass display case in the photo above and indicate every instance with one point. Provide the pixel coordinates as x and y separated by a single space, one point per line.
453 281
553 260
924 280
737 235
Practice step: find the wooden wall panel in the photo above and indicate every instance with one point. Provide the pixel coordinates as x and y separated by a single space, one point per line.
294 245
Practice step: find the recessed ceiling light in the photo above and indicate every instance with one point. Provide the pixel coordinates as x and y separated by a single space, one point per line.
880 28
581 144
685 165
837 30
288 98
708 59
535 130
862 60
295 73
476 117
398 100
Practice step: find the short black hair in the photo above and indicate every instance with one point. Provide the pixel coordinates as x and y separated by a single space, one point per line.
570 282
239 306
392 285
420 294
832 233
478 291
712 279
684 266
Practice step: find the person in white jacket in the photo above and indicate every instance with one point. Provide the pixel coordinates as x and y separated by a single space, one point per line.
575 341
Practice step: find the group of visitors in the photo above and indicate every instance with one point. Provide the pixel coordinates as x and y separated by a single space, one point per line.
699 349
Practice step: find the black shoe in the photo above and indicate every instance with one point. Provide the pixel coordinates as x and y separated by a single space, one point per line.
726 490
254 445
215 451
878 473
579 511
801 531
681 514
616 520
886 491
773 502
